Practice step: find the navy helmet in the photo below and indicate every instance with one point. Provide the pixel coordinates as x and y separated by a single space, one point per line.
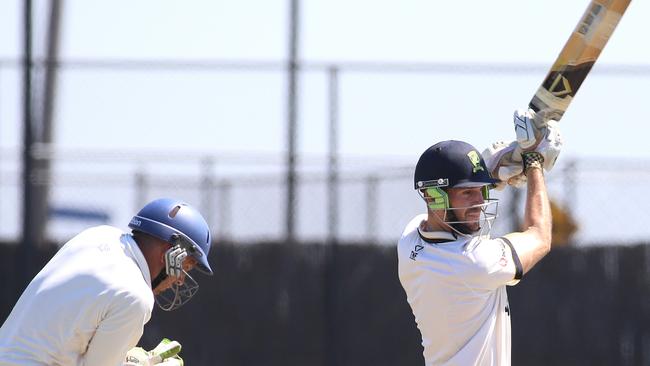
177 223
453 164
450 164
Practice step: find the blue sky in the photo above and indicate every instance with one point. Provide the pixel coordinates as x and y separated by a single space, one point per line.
403 112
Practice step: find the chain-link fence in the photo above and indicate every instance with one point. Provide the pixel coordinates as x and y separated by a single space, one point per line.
243 196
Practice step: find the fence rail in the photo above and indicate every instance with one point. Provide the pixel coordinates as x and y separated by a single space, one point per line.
373 203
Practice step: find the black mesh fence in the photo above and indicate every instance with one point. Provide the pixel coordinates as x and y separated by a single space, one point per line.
275 304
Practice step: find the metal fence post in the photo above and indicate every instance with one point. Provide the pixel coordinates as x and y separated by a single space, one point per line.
513 209
141 189
333 163
292 121
371 207
570 191
207 189
225 211
29 242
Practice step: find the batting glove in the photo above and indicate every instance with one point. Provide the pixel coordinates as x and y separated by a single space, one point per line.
503 159
504 164
535 133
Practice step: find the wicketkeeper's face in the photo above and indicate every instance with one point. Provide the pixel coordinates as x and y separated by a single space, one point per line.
188 264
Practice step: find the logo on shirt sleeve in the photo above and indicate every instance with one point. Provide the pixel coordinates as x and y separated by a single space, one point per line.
503 261
104 247
416 251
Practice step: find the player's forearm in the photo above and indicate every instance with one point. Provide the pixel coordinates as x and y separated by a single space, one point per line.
537 216
534 241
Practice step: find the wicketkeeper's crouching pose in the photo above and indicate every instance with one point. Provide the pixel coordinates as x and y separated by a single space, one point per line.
89 304
453 272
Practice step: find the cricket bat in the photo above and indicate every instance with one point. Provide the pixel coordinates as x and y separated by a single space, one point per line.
577 58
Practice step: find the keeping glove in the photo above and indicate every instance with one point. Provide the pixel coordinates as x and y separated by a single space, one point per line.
172 361
137 356
165 353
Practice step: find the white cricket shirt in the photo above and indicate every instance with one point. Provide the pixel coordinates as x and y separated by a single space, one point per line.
87 306
456 289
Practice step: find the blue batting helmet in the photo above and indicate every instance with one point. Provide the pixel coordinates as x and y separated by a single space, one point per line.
177 223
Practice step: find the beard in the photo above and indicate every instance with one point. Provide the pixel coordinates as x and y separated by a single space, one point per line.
461 226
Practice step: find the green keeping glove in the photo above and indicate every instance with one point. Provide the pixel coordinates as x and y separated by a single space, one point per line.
172 361
165 354
137 356
165 349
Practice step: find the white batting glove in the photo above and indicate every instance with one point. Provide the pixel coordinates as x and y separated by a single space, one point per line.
503 159
503 163
526 130
534 133
551 144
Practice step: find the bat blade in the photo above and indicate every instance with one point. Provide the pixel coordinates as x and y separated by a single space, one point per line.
577 57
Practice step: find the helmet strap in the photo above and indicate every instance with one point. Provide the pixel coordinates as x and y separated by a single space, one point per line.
174 258
162 275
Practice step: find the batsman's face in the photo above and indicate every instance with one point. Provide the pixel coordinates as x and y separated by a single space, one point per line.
462 200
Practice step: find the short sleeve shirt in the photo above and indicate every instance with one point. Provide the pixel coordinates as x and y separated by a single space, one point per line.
456 287
87 306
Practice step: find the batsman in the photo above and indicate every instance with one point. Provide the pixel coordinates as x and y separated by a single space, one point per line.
453 272
89 304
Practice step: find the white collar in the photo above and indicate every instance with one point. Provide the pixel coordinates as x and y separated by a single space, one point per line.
435 235
132 247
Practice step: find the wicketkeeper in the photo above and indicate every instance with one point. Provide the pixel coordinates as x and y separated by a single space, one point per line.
89 304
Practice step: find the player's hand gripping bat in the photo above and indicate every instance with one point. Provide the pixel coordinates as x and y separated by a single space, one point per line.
553 97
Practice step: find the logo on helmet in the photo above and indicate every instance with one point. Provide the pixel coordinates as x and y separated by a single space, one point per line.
475 159
135 222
